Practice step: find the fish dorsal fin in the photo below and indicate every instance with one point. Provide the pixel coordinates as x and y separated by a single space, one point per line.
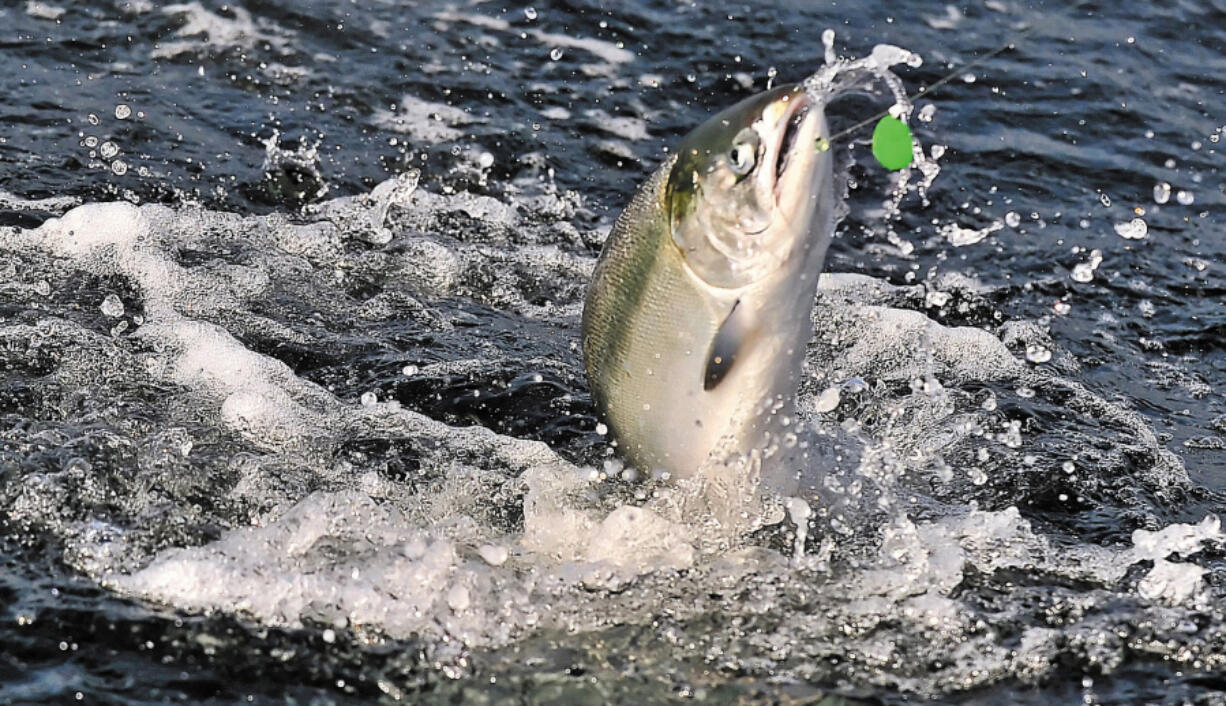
729 342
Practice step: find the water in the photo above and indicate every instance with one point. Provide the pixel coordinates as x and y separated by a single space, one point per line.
309 422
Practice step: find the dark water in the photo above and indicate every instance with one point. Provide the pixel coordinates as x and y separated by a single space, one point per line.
200 506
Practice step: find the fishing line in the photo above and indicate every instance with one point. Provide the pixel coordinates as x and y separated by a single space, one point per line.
900 134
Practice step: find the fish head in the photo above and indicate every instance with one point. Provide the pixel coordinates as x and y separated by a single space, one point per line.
745 184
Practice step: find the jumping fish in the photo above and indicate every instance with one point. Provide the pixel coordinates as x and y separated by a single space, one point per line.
698 313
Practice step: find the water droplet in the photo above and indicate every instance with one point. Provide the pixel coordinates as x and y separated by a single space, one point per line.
828 400
1084 271
602 429
1185 198
555 53
123 111
329 636
43 287
409 370
530 13
1135 229
1037 353
977 476
1061 307
369 399
935 299
458 598
927 112
855 386
1012 219
112 306
493 554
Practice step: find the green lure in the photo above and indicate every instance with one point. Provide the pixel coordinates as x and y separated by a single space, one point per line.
892 143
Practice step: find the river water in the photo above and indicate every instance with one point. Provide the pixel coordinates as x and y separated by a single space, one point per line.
292 410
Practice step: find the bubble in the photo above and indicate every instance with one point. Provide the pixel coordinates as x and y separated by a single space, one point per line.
555 53
90 141
409 370
108 149
1135 229
1185 198
1036 353
1061 307
369 399
93 119
927 112
1104 199
123 111
602 429
43 288
530 13
977 476
112 306
119 167
1012 219
485 160
329 636
1024 392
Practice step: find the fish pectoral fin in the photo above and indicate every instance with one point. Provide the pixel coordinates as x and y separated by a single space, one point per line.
729 343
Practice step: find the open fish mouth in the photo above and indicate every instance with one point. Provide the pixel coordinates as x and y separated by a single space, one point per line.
791 134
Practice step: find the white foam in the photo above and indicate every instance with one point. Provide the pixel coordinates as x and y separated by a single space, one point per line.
424 121
622 126
205 32
44 11
371 553
608 52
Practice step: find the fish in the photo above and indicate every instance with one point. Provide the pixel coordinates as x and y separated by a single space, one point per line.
697 315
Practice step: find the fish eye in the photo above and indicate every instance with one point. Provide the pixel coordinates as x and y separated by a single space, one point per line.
744 153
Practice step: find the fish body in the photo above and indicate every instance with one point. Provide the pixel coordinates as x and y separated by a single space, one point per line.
698 314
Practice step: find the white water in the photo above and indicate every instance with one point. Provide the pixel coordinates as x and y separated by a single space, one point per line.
360 551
